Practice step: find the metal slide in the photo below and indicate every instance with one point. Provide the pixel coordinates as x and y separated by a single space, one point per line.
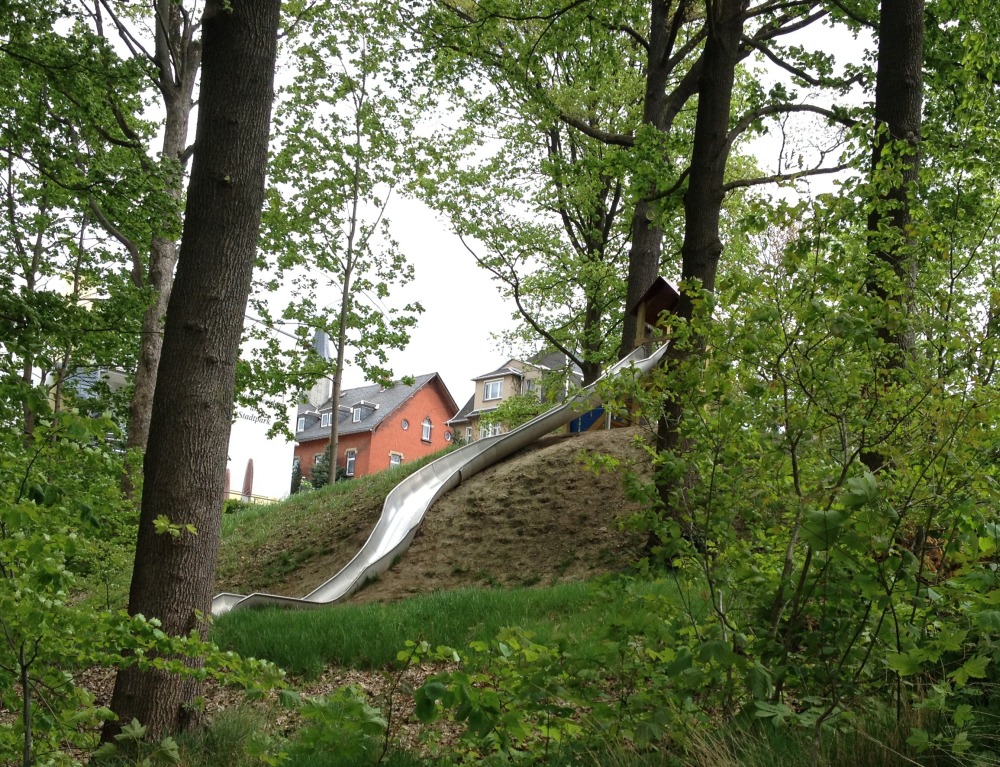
407 503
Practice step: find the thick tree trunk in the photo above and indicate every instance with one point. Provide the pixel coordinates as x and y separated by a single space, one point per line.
176 84
898 108
703 200
647 237
898 113
185 463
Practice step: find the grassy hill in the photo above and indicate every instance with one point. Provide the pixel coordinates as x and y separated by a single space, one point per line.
543 516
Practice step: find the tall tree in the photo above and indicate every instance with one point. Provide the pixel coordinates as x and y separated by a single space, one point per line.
540 205
705 192
657 79
172 64
61 148
185 466
342 128
895 164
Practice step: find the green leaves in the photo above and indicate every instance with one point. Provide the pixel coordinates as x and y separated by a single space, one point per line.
164 526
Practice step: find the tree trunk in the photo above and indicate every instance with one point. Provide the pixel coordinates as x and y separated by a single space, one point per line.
703 200
176 84
338 378
898 107
647 238
185 464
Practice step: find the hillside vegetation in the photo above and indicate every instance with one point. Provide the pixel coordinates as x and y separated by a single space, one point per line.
545 515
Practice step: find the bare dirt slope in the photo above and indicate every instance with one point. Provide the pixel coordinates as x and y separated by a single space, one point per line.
541 516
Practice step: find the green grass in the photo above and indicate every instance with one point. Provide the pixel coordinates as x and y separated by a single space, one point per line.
370 635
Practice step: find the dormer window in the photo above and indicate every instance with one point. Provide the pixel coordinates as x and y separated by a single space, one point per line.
301 425
493 390
356 415
325 419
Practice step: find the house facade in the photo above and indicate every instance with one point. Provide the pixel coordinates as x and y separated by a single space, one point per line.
512 378
379 426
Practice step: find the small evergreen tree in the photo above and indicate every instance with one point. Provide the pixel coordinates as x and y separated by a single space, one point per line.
321 471
296 477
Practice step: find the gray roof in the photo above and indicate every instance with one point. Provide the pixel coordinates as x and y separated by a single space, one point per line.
465 412
553 360
501 371
377 404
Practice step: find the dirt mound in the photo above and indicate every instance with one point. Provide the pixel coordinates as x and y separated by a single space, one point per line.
541 516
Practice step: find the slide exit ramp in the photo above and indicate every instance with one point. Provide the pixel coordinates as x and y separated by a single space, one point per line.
407 503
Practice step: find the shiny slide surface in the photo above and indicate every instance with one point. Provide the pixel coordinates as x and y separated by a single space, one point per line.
407 503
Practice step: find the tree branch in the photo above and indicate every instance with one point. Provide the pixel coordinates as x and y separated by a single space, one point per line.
799 72
781 177
515 286
834 115
606 137
127 242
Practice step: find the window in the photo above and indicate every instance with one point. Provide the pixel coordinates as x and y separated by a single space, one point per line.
468 434
356 415
395 459
352 456
529 385
325 419
447 436
405 424
302 423
493 390
489 431
317 458
425 430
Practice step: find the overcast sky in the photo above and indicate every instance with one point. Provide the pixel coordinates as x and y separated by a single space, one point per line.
462 306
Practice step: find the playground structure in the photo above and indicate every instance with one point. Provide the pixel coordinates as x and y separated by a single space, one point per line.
408 502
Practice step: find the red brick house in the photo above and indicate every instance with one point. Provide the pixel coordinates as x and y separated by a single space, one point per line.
379 427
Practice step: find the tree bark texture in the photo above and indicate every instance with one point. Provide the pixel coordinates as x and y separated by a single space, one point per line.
647 237
178 58
185 462
898 113
703 200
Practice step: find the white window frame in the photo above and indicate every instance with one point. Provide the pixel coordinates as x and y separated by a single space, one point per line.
468 434
317 457
301 425
425 429
488 386
489 431
325 419
351 457
447 436
395 459
355 415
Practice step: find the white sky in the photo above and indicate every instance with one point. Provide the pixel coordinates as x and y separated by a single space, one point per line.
462 305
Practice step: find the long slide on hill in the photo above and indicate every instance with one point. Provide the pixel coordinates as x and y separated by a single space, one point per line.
407 503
